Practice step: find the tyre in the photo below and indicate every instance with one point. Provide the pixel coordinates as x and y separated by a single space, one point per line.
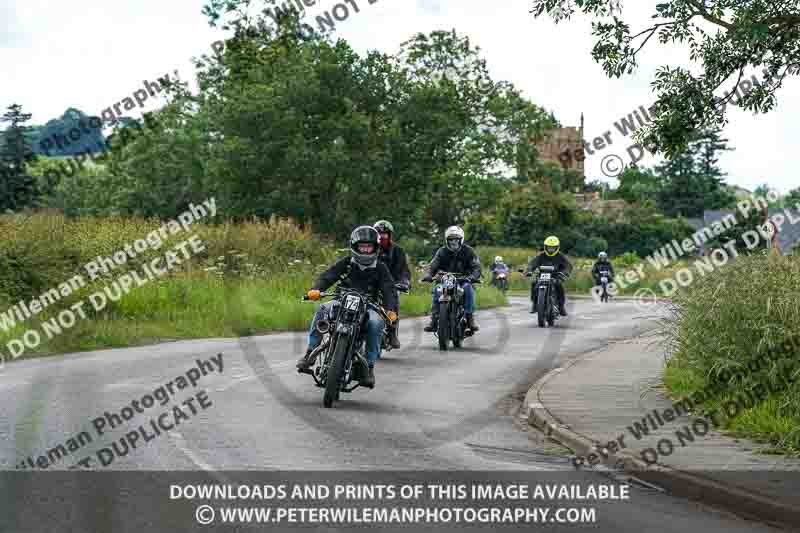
457 327
541 306
551 312
444 326
335 372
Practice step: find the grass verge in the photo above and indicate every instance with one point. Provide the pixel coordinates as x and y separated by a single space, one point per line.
734 335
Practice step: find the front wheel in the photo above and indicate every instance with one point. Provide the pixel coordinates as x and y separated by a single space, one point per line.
458 329
541 306
444 326
335 372
604 297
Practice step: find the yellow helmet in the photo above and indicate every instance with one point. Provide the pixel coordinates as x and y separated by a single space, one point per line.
552 245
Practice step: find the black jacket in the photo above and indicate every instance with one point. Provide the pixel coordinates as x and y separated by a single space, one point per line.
395 259
465 262
559 261
377 282
602 265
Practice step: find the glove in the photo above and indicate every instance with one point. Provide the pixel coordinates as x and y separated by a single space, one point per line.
402 287
392 315
313 294
427 278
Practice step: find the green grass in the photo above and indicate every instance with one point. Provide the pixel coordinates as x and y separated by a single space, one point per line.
204 305
728 337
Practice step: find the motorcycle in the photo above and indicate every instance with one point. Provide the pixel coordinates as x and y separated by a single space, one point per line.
343 348
452 318
501 281
543 296
604 279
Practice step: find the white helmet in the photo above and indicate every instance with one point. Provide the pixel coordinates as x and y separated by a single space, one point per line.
454 238
498 259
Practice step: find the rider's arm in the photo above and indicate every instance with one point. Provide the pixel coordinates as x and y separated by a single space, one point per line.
433 268
403 272
596 269
331 276
388 294
611 269
475 267
534 264
567 265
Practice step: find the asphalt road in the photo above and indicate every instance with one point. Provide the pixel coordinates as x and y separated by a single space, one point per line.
452 411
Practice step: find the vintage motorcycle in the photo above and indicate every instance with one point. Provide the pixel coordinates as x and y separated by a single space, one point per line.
341 356
605 276
543 296
501 281
452 318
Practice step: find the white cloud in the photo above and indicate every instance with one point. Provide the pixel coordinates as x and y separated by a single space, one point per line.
93 57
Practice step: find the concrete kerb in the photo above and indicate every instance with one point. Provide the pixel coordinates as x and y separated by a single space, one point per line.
739 501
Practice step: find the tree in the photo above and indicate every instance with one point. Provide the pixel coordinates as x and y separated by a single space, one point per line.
792 199
691 180
638 185
725 36
18 190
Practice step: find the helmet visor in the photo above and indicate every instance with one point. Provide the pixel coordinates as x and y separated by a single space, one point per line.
551 250
454 243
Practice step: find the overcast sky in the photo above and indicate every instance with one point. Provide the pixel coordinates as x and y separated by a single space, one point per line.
55 56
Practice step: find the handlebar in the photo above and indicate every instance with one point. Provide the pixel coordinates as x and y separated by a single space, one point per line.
459 277
339 290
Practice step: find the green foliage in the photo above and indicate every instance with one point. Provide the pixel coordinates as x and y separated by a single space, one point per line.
752 306
18 190
691 181
732 36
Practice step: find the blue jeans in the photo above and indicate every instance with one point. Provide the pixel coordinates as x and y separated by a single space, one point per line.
469 297
375 327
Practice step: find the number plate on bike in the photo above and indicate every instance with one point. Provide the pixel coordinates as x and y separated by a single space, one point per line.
352 303
544 275
604 279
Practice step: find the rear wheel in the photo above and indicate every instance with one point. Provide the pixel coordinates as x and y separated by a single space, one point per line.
541 306
335 372
444 325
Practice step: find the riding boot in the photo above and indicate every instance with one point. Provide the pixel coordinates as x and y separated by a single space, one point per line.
369 379
394 340
433 325
307 361
471 324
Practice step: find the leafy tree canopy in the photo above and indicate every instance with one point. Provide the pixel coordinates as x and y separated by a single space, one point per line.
725 38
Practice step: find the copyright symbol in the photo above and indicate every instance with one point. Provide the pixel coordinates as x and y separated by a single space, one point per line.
612 165
644 298
204 515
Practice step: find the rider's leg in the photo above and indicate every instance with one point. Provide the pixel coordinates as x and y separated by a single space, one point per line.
469 305
375 326
314 338
394 339
434 322
562 299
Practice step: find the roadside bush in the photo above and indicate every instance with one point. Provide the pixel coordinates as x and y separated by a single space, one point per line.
728 335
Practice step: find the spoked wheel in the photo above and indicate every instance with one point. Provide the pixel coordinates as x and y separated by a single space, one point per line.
551 313
335 374
444 326
458 332
541 307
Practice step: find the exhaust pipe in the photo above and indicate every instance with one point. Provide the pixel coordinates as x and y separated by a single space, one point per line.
323 326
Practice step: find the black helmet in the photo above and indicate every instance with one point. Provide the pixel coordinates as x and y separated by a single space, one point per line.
363 235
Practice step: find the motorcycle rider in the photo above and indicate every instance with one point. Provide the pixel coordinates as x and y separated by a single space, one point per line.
395 258
498 267
552 256
602 264
360 270
461 259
